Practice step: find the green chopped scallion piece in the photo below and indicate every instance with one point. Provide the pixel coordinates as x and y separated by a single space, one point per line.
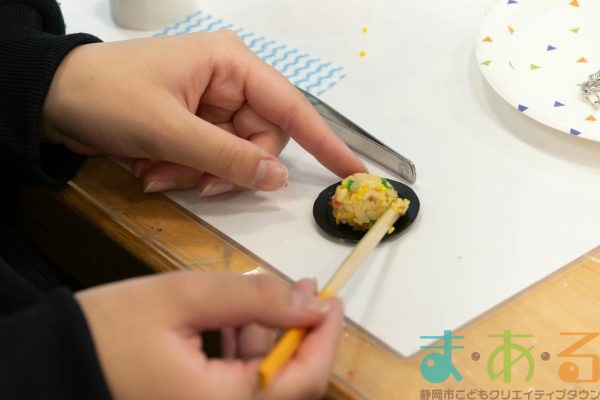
350 182
385 183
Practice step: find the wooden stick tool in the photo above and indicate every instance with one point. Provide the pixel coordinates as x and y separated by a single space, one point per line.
292 339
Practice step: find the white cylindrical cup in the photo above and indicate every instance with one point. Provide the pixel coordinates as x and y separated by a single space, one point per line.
149 14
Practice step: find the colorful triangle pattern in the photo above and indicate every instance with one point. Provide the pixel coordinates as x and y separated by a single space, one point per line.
533 67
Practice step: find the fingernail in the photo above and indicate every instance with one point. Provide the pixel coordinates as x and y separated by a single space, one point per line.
270 175
215 188
310 302
309 283
159 186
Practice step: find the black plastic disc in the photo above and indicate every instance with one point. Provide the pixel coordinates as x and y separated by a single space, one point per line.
323 213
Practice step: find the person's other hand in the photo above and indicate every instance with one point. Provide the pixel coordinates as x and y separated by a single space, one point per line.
147 335
197 110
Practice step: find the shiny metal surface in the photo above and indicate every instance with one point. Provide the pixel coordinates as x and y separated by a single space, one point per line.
364 143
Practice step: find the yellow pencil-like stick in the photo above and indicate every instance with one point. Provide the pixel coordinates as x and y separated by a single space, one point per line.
292 338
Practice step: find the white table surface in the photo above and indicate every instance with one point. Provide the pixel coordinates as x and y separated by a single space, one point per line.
504 200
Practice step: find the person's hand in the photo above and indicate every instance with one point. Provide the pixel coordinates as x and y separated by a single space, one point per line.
197 110
147 335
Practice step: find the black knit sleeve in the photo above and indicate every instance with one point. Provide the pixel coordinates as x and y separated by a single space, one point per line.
46 352
32 46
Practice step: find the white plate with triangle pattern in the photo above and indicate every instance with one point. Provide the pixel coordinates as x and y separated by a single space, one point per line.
536 53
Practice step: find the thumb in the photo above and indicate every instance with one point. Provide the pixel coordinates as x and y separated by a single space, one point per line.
214 300
206 147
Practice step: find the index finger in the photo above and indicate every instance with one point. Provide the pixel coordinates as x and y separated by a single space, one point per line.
308 372
275 99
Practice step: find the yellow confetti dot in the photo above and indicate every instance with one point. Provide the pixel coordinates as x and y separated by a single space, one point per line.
362 54
590 118
364 29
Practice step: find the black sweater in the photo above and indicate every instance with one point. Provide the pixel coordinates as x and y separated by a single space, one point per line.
46 351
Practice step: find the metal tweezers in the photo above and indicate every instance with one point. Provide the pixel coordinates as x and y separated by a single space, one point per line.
361 141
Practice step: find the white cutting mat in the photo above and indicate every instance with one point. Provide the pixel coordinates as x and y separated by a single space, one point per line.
505 201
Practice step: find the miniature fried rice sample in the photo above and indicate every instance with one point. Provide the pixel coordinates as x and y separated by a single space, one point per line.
362 198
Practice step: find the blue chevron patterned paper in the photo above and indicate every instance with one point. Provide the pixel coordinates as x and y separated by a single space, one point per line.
305 71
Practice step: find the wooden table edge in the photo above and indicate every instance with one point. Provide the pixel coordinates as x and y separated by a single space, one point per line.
101 204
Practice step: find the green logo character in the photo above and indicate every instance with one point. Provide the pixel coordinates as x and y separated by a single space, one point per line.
506 351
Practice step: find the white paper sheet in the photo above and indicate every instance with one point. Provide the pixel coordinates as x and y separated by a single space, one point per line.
505 201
